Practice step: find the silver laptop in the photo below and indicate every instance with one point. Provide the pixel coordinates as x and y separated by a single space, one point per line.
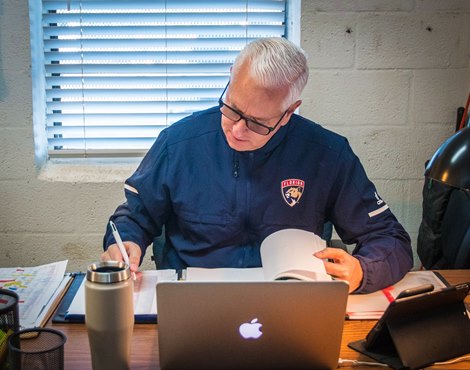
250 325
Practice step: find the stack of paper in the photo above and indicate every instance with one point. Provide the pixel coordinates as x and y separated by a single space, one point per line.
145 299
373 305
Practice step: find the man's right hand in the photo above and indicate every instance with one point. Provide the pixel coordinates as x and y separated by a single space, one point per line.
114 254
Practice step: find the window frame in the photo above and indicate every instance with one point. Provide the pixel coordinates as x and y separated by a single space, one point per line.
42 156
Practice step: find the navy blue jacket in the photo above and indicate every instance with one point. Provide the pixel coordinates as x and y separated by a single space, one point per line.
218 204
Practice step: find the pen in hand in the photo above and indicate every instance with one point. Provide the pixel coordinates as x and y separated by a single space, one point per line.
120 244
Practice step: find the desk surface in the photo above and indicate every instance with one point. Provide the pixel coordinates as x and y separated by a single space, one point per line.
145 342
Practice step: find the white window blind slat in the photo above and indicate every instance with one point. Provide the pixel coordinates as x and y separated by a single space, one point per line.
183 69
154 19
130 107
161 82
84 143
178 32
78 58
126 44
118 131
117 72
125 95
111 119
132 6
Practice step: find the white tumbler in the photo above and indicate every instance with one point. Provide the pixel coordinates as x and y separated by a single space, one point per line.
109 314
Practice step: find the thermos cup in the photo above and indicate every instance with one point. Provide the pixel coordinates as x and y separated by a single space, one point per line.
109 314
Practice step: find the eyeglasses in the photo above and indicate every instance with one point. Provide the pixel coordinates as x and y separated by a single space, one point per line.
235 116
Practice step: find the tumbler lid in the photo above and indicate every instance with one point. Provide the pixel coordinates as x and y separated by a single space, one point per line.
8 299
107 272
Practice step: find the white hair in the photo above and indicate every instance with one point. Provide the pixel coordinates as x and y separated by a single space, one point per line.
276 63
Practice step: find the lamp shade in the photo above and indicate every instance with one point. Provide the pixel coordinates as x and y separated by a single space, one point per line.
450 164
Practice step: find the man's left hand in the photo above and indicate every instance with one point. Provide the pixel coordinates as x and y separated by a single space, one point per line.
343 267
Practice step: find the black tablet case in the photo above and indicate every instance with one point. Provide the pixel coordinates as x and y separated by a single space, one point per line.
417 331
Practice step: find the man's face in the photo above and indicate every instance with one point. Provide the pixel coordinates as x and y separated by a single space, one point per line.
254 102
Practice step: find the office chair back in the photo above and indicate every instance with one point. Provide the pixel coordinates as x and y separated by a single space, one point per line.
456 231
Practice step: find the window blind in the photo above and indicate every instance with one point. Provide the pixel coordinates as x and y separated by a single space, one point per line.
117 72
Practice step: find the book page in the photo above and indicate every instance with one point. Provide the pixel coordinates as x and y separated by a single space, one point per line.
373 305
145 299
54 301
36 287
224 274
289 254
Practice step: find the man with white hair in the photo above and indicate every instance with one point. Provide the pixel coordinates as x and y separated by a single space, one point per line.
223 179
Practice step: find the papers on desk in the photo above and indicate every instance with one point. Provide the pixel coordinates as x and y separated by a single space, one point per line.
39 289
145 298
373 305
224 274
359 306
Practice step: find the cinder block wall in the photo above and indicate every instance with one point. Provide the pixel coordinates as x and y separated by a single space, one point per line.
389 75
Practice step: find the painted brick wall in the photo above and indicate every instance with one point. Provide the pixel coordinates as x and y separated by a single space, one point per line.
389 75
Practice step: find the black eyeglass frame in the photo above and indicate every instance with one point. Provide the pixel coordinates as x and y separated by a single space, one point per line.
248 121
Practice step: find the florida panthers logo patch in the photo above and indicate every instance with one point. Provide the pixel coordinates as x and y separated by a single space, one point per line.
292 191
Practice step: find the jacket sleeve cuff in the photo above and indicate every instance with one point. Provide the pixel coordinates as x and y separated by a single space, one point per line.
367 285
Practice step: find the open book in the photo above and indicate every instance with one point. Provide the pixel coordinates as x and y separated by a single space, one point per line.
285 254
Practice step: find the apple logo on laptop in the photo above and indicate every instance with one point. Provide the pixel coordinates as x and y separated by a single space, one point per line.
251 330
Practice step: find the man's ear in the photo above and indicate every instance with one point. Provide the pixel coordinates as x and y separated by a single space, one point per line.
291 111
294 106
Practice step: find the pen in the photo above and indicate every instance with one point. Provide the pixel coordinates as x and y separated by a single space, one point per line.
120 244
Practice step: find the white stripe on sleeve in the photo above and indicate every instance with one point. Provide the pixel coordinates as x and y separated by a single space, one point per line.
131 189
378 211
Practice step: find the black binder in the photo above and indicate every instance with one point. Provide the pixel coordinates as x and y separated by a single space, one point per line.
417 331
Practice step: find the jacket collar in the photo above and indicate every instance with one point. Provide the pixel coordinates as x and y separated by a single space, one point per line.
278 137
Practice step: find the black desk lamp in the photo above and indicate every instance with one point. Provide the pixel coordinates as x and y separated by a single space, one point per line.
451 162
